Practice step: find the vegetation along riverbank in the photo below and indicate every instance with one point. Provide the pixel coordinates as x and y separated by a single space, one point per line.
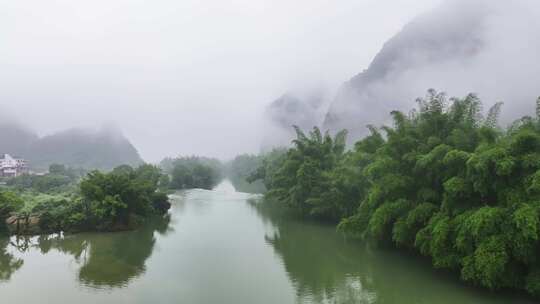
444 180
99 201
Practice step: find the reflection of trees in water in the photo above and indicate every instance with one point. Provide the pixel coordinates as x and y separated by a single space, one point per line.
8 263
321 265
326 268
109 259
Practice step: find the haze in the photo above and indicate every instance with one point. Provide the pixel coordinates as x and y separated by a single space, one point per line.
182 77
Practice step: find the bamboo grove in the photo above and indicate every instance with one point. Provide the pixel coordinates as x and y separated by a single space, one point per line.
445 181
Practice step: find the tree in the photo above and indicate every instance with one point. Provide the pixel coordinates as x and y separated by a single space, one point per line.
442 180
304 176
9 202
193 172
115 197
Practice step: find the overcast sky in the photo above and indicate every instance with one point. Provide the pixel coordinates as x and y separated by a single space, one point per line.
184 76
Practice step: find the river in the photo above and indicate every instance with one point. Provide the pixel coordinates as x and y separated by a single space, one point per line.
219 247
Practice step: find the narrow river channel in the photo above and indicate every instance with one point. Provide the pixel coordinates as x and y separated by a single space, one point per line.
219 247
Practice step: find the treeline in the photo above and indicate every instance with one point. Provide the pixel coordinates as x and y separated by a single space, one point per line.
117 200
191 172
59 179
444 181
72 200
240 168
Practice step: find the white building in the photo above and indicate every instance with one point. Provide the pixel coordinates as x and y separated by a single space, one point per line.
11 167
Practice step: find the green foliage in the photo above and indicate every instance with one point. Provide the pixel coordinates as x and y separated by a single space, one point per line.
192 172
532 282
164 181
241 168
313 177
9 202
267 170
442 180
58 180
407 226
39 183
58 213
101 201
384 217
487 265
113 198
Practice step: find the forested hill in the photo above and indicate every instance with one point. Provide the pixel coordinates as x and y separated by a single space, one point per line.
104 149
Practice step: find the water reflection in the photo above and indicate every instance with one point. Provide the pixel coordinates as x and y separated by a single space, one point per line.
113 260
223 251
324 267
106 260
9 264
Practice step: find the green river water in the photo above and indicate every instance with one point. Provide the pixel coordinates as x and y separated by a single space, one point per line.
218 247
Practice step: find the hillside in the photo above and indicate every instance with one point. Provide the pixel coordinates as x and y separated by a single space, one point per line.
428 49
103 149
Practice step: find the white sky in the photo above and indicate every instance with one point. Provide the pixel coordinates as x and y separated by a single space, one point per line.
185 76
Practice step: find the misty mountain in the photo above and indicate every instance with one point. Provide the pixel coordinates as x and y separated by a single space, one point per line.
16 139
103 149
304 110
290 110
449 35
460 47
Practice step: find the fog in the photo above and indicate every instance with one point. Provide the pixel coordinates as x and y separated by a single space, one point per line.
485 47
181 77
218 78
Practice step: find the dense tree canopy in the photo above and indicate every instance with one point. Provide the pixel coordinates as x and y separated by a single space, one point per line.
9 202
239 169
192 172
443 180
116 200
114 197
58 179
309 167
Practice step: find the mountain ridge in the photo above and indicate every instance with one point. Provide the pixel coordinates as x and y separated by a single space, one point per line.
102 149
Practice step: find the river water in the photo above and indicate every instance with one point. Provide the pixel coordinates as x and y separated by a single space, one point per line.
219 247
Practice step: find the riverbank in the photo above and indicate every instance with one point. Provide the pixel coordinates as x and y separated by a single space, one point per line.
112 201
17 225
215 247
443 181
